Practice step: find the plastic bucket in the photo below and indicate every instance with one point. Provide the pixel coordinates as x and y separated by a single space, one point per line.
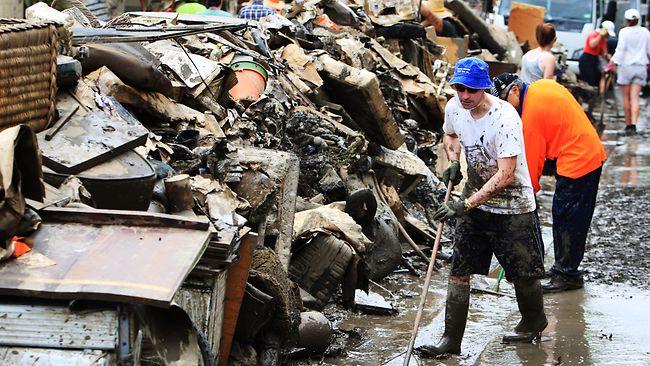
251 80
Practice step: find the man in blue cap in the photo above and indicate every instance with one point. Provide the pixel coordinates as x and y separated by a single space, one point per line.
496 213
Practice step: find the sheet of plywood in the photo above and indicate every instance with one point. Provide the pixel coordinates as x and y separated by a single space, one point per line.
523 20
119 262
456 48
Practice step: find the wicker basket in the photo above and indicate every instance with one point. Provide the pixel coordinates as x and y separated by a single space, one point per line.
27 73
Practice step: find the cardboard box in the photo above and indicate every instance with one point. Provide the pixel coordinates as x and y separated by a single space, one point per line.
523 20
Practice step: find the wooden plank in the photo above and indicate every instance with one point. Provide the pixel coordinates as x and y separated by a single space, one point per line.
523 20
456 48
105 262
120 217
235 288
284 168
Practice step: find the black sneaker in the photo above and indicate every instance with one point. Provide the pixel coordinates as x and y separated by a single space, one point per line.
630 129
559 283
549 273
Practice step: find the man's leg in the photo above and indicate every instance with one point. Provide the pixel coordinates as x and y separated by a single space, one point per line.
456 308
472 254
531 306
520 252
573 207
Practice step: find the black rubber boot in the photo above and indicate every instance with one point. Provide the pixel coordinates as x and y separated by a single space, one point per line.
455 320
531 305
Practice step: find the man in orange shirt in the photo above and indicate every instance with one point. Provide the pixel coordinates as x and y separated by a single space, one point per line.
556 128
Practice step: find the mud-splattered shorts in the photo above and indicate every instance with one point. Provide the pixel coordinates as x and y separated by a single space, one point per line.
516 241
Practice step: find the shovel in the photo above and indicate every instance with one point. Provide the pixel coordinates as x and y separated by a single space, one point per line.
425 289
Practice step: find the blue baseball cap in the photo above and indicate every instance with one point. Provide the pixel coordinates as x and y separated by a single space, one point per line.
473 73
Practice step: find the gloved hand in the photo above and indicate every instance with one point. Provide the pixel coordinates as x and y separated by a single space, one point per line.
451 209
603 32
452 173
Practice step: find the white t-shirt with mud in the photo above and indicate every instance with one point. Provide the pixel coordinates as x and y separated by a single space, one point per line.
496 135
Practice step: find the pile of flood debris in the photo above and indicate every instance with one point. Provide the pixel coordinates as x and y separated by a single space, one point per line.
255 170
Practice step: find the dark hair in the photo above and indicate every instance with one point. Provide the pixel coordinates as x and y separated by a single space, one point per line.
633 22
545 34
210 3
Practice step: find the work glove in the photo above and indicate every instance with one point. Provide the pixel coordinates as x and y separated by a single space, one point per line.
451 209
452 173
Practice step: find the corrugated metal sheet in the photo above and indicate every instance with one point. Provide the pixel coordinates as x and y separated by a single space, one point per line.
204 304
54 357
57 327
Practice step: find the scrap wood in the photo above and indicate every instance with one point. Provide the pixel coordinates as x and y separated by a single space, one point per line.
396 63
153 103
490 35
361 96
301 64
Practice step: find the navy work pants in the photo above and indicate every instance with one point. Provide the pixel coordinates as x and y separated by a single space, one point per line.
573 207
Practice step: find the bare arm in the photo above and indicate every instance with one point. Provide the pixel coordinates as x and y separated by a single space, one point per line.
594 41
548 65
452 147
504 176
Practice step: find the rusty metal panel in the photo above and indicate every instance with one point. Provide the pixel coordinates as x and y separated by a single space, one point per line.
57 327
105 262
54 357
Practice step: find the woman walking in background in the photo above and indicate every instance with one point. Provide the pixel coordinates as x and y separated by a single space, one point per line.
631 59
595 46
539 63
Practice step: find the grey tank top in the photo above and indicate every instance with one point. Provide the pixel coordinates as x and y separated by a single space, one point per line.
530 70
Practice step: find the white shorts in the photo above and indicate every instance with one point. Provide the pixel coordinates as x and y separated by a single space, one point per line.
632 74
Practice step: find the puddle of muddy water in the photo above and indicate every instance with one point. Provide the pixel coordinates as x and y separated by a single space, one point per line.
601 325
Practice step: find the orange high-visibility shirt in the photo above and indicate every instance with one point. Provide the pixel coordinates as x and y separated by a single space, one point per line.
556 127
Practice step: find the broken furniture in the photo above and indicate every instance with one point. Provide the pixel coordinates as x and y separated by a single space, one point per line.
138 260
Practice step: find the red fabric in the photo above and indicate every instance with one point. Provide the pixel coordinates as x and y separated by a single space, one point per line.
556 127
598 50
20 248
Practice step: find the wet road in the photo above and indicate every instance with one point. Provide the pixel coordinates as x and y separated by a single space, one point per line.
606 323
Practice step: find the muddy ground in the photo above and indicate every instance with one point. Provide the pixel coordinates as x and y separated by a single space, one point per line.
605 323
619 244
